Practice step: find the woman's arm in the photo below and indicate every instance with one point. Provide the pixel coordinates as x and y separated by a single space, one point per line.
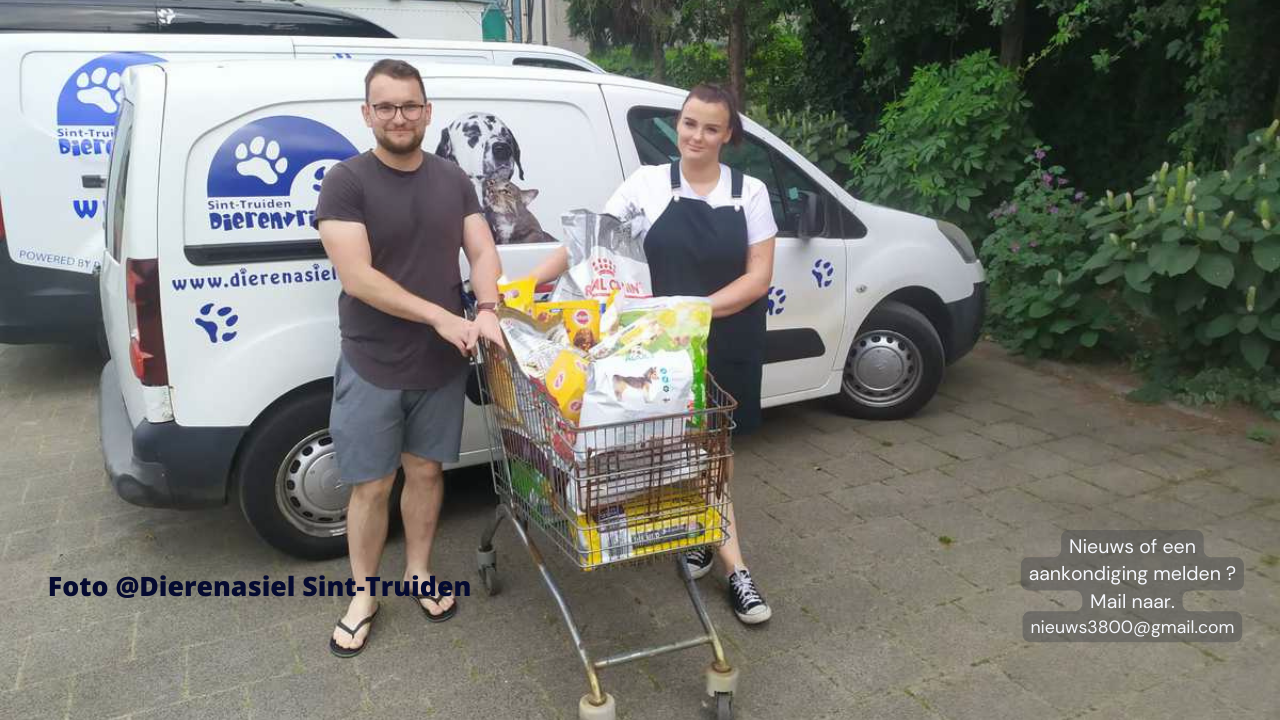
753 284
552 266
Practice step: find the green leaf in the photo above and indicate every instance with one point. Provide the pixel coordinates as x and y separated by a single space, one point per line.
1247 324
1267 253
1184 260
1229 243
1114 271
1220 326
1173 233
1271 328
1255 350
1100 258
963 203
1061 325
1210 233
1217 270
1190 293
1040 309
1089 338
1136 274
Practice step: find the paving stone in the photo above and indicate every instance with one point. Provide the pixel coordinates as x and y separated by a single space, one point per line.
843 443
1015 507
887 706
1217 499
1135 439
919 585
239 659
861 469
886 539
1002 609
951 640
1251 530
67 652
129 687
964 445
985 563
1182 697
1062 422
983 693
897 432
958 520
807 481
1013 434
1157 512
1260 481
986 474
1084 450
1067 675
60 537
913 457
230 704
17 517
1119 479
877 500
37 701
941 422
869 661
333 693
808 518
1167 465
1069 490
987 412
931 487
1037 461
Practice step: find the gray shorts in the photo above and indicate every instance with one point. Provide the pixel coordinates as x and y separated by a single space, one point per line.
372 426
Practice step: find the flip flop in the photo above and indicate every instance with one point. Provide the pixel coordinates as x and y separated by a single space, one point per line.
342 652
436 617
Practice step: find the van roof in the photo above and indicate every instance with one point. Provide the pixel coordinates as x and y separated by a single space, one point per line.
327 73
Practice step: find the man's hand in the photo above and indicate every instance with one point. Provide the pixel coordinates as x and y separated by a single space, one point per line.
487 323
459 331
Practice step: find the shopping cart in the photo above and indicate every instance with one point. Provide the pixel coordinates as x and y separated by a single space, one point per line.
608 495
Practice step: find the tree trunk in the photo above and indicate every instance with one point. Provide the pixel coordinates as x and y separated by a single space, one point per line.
738 50
659 56
1012 33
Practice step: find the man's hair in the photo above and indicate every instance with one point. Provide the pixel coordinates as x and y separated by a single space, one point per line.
721 95
397 69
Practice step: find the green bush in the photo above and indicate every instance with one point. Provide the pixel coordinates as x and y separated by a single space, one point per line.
825 139
1196 257
688 65
951 145
621 61
1042 303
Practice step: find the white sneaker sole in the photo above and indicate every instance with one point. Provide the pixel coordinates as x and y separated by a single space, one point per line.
757 618
699 573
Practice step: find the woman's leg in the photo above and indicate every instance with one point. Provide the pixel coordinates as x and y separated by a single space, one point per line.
730 553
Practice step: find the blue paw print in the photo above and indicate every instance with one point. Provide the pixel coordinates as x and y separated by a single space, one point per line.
224 315
342 56
318 177
774 300
823 272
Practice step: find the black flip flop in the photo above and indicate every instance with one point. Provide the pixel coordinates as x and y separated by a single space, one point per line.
436 617
342 652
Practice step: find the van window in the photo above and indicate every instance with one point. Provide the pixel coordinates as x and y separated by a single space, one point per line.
654 133
548 63
118 178
115 17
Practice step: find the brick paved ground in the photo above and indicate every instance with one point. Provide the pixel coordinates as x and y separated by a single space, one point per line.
874 617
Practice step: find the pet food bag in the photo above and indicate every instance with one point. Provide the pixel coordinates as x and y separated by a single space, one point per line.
636 384
517 294
605 254
634 529
567 381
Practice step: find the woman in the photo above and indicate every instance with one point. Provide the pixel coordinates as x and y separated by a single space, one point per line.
711 234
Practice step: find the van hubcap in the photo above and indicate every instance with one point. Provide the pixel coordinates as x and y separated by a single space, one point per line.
309 488
883 368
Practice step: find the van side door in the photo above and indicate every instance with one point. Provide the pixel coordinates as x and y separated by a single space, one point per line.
806 302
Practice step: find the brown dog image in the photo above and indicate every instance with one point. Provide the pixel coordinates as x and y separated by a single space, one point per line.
584 339
644 384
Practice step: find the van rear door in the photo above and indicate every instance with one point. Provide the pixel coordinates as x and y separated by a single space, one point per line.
58 114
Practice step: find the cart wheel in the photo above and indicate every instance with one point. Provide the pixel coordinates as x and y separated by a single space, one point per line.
724 706
489 576
607 711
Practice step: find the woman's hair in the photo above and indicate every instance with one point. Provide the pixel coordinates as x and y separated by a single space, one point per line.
719 94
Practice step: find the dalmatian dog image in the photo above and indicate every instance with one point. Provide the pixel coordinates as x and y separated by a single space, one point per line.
483 146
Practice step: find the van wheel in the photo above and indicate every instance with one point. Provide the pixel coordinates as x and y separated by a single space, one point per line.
894 366
288 481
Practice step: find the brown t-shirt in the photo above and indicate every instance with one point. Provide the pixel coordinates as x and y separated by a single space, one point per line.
414 222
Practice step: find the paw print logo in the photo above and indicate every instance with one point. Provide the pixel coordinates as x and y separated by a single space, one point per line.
604 266
218 323
100 88
318 178
261 159
775 300
822 272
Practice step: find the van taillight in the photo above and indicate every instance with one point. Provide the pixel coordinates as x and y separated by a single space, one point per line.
146 332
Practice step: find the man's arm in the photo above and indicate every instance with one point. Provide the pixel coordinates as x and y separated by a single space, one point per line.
347 245
486 267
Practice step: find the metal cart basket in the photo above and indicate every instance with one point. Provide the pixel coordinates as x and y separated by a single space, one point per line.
608 495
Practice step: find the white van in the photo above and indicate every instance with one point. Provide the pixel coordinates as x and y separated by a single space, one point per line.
220 307
59 100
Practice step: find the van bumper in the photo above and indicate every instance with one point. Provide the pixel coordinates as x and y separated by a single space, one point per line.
966 316
162 464
44 305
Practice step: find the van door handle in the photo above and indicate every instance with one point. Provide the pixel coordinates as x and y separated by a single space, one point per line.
93 182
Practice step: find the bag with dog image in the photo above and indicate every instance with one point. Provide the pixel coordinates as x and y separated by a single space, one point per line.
606 254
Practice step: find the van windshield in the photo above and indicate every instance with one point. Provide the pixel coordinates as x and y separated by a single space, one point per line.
117 178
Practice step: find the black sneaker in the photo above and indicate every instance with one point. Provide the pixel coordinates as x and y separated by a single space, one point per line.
748 604
699 562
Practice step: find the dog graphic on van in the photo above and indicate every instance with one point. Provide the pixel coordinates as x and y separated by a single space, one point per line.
644 384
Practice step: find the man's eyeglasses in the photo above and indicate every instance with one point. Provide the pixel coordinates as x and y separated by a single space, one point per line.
387 111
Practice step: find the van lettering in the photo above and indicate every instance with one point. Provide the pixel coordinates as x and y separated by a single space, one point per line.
85 208
86 146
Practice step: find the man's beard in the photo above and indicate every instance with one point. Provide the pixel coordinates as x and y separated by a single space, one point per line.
405 147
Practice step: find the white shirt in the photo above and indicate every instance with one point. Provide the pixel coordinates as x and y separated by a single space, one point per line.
649 190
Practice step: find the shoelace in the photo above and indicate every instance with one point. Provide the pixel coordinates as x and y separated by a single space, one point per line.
700 558
746 589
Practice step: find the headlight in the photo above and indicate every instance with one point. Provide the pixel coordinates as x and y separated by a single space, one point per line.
959 241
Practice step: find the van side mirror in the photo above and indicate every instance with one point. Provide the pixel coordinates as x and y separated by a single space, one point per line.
810 220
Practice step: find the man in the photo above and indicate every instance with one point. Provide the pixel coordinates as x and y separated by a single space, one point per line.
392 221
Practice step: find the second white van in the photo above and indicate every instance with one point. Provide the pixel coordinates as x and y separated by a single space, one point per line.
220 307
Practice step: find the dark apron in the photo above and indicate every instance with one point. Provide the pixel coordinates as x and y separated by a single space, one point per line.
695 249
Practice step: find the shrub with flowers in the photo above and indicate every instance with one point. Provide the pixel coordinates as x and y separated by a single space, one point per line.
1042 302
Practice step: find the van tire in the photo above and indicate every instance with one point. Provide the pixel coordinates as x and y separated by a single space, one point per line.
259 470
909 362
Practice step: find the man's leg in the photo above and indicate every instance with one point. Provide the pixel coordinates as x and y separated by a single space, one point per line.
366 535
420 502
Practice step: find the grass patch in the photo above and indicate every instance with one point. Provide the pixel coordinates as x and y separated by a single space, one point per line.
1259 434
945 540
